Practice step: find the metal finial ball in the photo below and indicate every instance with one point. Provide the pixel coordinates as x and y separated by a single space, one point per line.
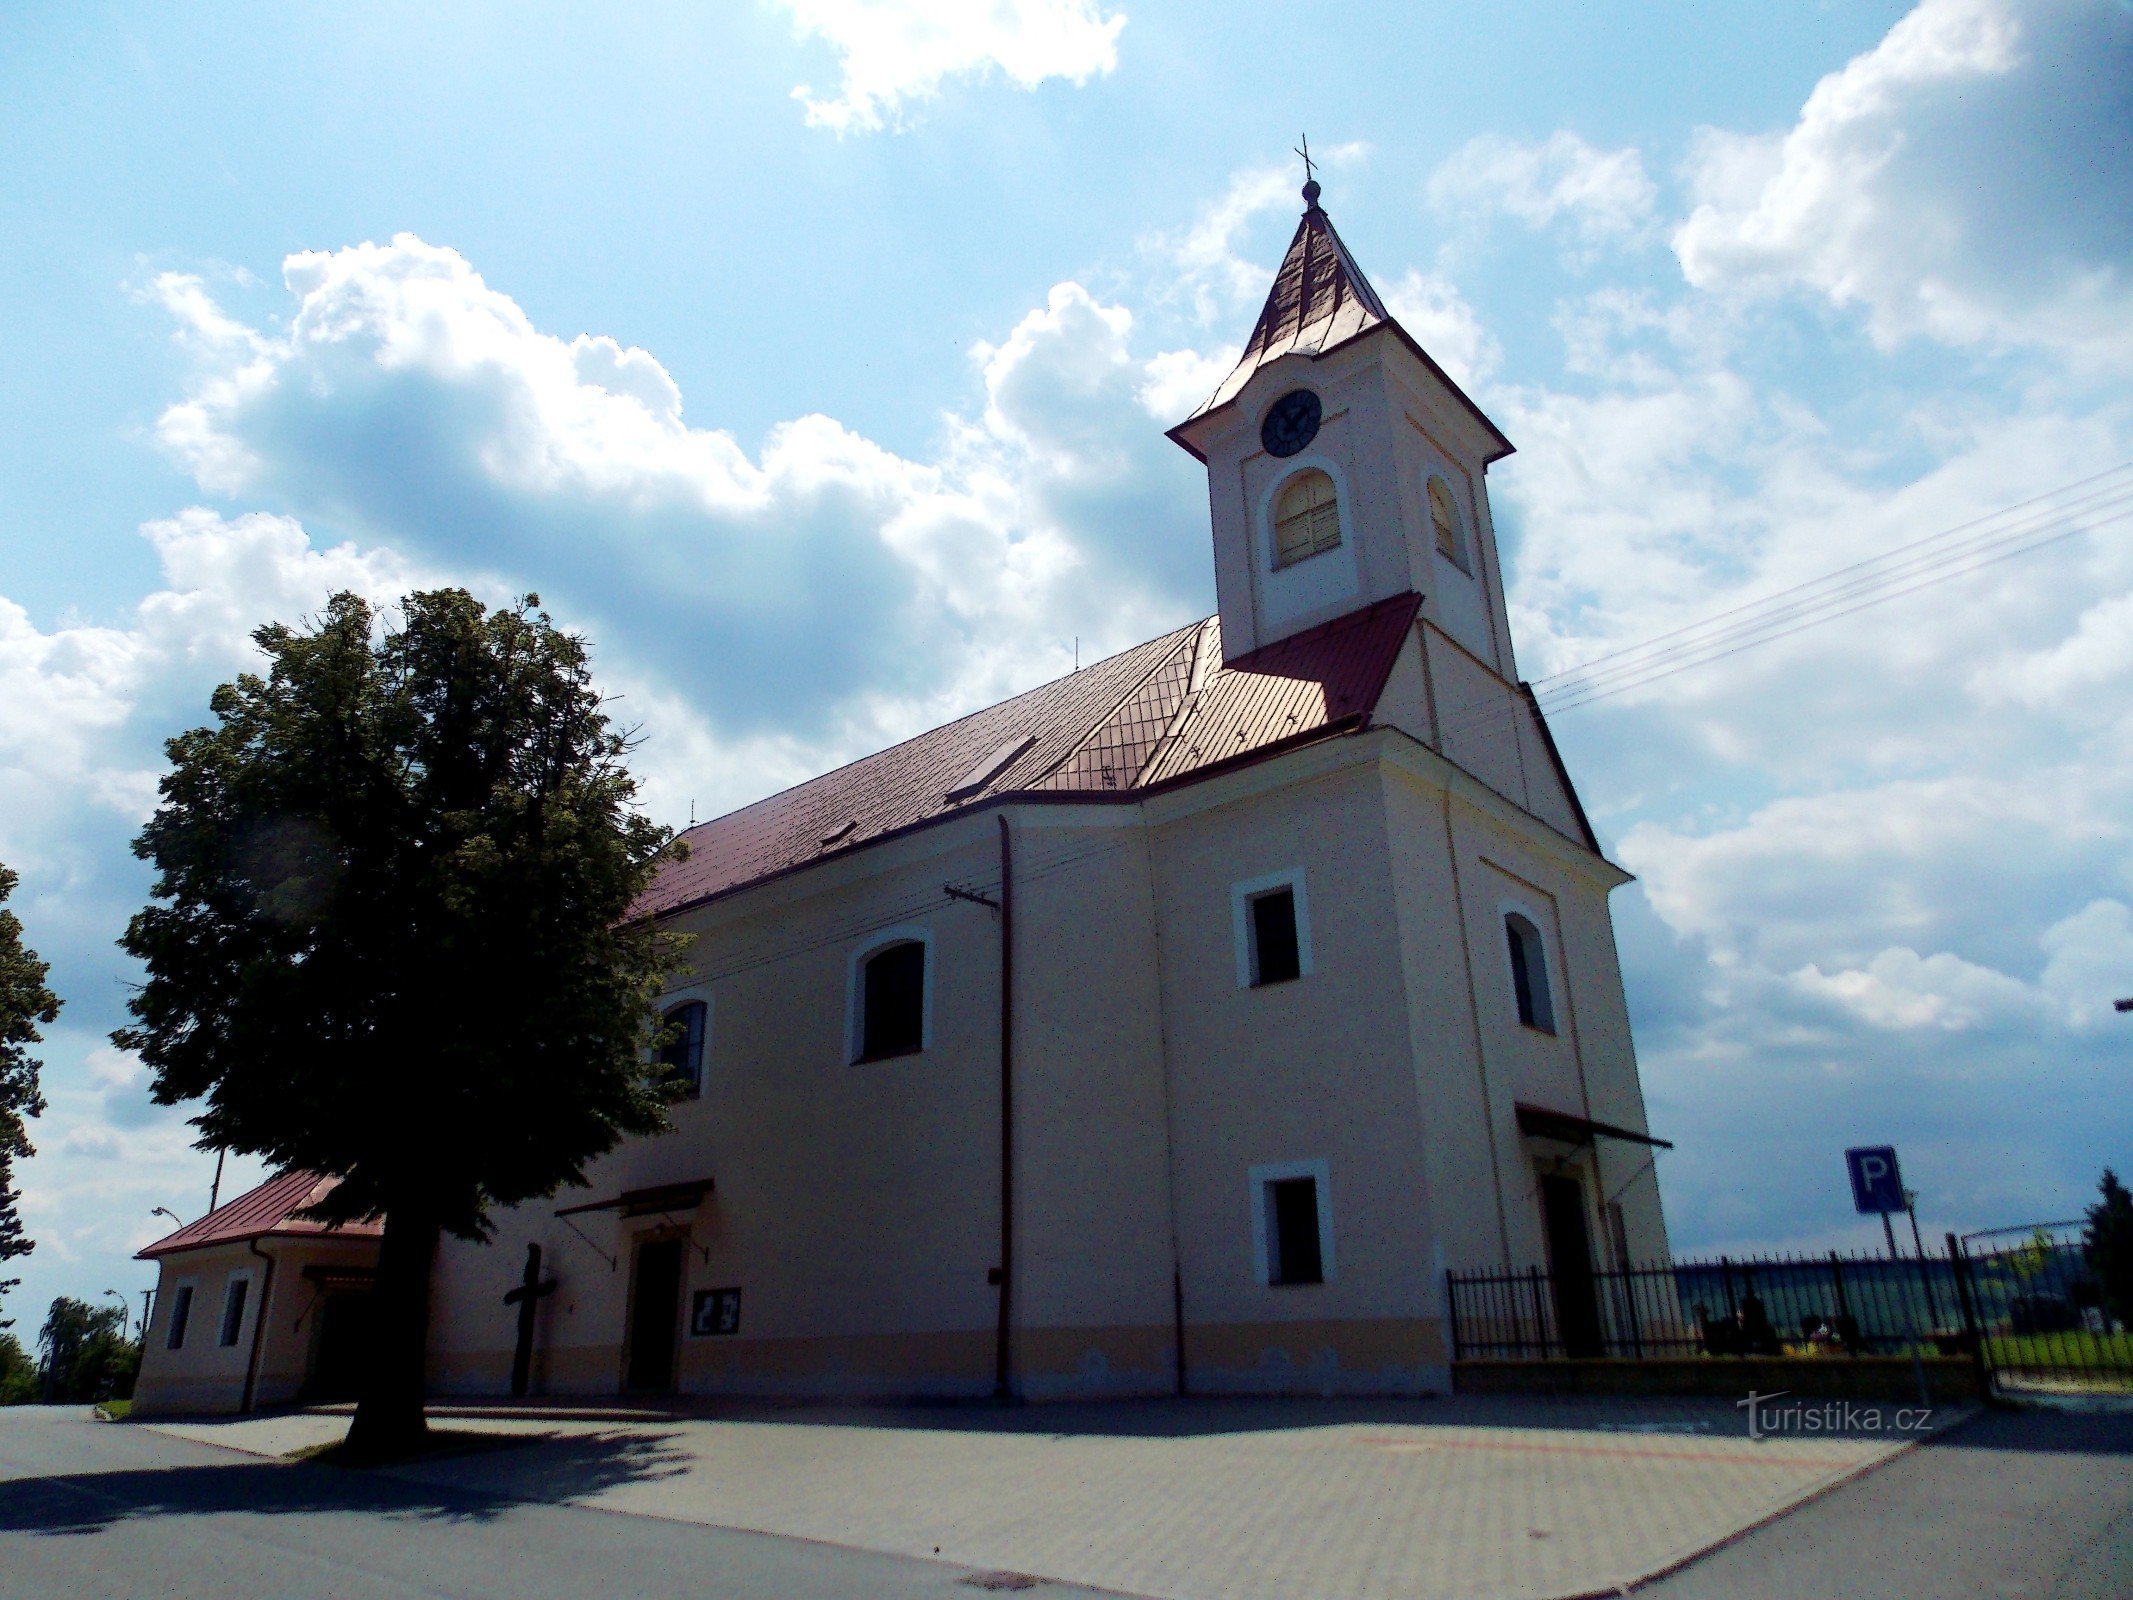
1311 192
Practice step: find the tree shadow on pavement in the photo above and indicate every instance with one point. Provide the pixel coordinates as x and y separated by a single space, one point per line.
567 1467
2054 1432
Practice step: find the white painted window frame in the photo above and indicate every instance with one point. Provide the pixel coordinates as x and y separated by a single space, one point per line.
192 1321
1551 963
1241 896
246 1276
855 966
1261 1178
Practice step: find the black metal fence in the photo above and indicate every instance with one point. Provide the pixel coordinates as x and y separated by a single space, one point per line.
2027 1304
2049 1312
1767 1305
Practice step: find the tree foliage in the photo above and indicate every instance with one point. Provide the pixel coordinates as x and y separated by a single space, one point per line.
2108 1244
25 1004
18 1373
388 940
85 1352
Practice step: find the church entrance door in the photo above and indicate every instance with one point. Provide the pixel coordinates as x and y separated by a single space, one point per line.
337 1354
1577 1299
655 1314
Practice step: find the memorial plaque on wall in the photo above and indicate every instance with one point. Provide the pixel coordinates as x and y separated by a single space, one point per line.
713 1312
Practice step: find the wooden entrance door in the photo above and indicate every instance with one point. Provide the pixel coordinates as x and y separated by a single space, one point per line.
1577 1300
655 1314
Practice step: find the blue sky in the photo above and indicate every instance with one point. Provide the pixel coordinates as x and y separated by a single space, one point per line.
814 355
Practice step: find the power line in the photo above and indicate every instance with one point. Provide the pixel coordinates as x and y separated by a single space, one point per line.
1921 564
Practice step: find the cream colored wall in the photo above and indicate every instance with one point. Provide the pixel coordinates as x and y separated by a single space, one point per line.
1319 1068
206 1376
857 1205
851 1199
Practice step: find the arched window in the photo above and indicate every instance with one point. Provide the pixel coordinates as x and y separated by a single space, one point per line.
1307 517
1444 514
892 1001
681 1058
1529 973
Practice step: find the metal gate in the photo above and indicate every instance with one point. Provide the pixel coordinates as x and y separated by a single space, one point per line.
2047 1320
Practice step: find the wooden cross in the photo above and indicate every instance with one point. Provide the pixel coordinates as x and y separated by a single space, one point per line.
531 1291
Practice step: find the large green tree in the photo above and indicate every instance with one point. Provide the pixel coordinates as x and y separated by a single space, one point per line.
85 1352
389 937
2108 1244
25 1003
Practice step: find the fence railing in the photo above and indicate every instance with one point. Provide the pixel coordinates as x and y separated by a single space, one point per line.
2032 1308
1766 1305
2051 1315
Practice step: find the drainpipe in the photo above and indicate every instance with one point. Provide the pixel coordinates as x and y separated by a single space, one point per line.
259 1325
1000 1384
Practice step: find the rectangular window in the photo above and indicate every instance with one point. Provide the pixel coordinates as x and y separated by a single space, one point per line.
1292 1231
1276 957
181 1312
233 1309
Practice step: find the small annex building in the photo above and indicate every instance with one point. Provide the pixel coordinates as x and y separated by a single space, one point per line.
255 1305
1173 1025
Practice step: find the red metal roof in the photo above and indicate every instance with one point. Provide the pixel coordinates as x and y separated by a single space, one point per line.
1163 712
262 1211
1320 301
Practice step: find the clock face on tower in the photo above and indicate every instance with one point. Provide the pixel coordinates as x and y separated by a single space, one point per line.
1291 423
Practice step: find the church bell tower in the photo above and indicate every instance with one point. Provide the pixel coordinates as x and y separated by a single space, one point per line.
1345 467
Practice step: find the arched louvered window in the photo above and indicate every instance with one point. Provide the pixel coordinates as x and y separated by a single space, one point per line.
1444 516
1307 517
892 1000
1529 973
681 1058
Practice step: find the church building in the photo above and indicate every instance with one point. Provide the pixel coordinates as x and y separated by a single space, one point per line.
1172 1026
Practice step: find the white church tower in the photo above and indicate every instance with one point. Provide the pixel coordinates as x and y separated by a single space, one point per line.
1344 466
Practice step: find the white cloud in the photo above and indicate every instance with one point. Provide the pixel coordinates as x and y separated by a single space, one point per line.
412 403
1601 196
892 52
1966 179
1431 308
1899 989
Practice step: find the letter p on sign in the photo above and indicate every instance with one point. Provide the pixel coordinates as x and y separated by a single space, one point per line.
1877 1187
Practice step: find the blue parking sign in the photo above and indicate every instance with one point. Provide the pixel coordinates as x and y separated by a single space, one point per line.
1877 1187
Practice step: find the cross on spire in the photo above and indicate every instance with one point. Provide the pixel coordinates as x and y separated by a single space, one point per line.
1310 190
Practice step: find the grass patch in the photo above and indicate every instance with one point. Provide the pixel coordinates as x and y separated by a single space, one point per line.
114 1410
2074 1352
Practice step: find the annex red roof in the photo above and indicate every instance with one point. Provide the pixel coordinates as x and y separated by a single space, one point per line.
265 1210
1161 713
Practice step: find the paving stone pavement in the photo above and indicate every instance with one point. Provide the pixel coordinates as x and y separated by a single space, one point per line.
1187 1500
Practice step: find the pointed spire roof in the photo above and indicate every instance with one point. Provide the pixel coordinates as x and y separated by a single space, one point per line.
1319 302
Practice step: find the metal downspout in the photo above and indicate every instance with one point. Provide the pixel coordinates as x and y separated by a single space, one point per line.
1002 1387
259 1325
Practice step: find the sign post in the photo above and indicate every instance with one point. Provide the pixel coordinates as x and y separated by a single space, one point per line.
1877 1189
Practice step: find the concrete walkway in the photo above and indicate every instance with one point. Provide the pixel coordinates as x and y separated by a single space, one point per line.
1242 1500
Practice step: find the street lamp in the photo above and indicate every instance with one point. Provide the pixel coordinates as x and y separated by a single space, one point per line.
165 1211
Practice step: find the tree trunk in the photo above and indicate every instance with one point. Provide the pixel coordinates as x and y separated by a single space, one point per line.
388 1417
